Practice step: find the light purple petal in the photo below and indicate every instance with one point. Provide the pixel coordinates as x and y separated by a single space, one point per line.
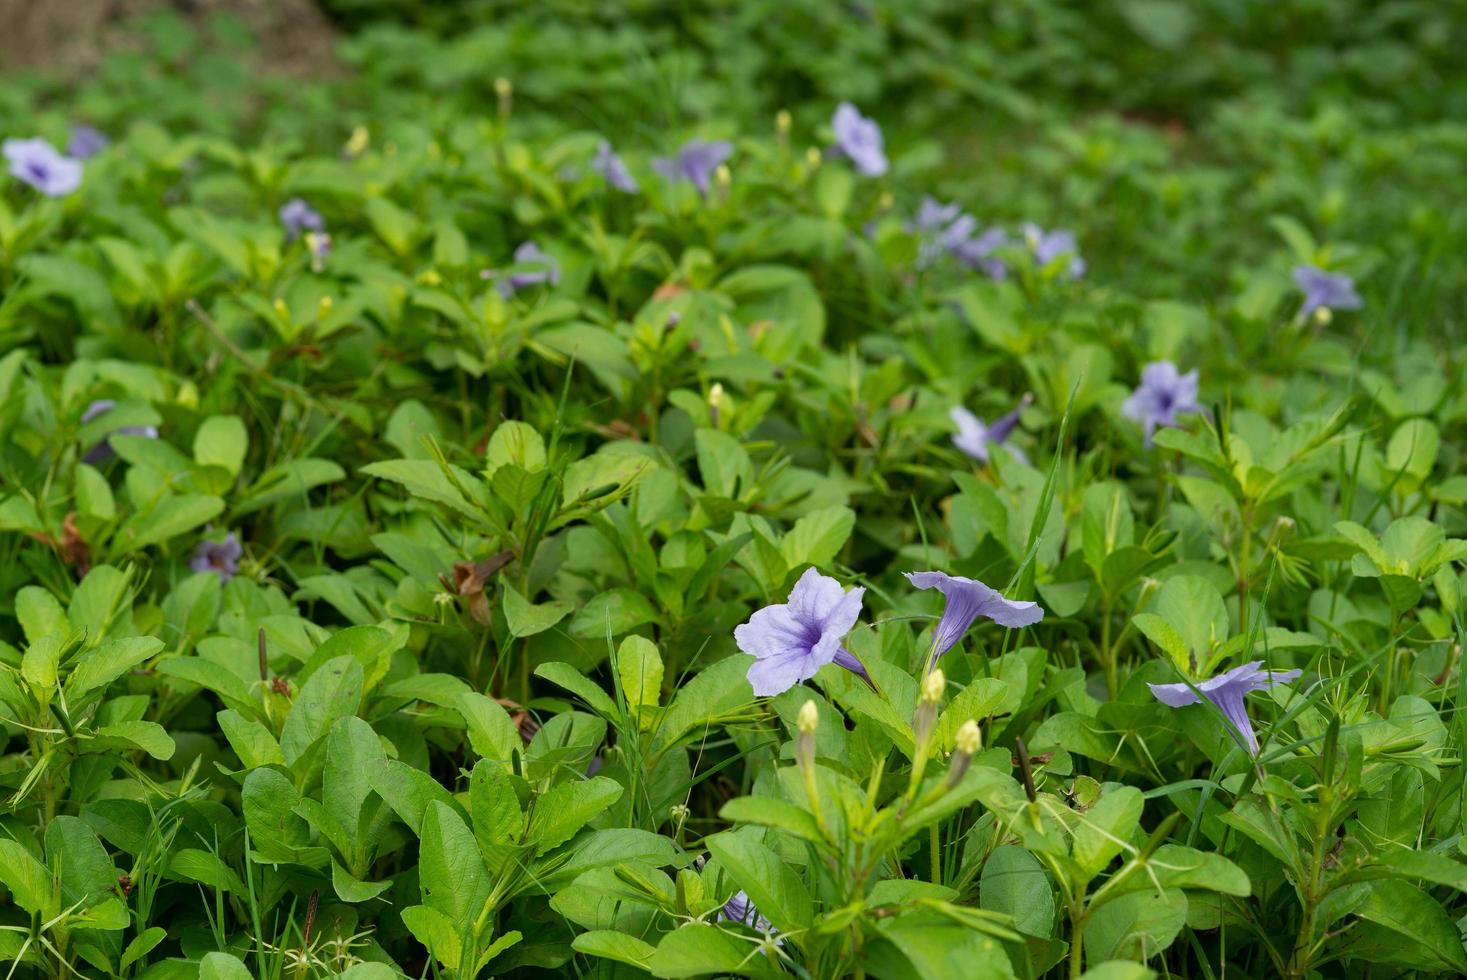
859 139
1173 695
39 164
967 600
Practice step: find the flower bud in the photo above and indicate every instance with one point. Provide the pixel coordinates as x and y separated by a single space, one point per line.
715 402
969 739
783 122
812 157
323 307
933 685
281 310
809 718
360 138
723 177
885 202
1323 316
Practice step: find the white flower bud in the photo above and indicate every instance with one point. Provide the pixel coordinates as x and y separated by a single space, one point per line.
969 739
809 718
933 685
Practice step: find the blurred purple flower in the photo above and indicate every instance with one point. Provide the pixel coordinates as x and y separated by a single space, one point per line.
530 254
219 557
611 167
297 216
86 141
945 228
974 436
791 641
594 766
859 139
695 162
933 216
976 253
1227 690
1163 394
741 910
38 163
1050 245
1325 290
103 450
968 599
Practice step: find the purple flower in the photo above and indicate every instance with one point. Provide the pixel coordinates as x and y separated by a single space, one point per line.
297 216
86 141
945 228
610 167
791 641
1050 245
530 254
1163 394
976 253
859 139
39 164
695 162
1325 290
1227 691
974 436
103 450
934 216
740 909
968 599
219 557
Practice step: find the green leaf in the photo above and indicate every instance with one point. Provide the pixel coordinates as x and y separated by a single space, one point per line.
767 811
172 516
525 619
222 966
435 931
774 886
26 878
612 945
222 441
451 873
332 692
1138 925
639 666
102 665
696 950
1013 883
818 537
492 733
142 944
1102 831
566 808
573 680
1412 453
196 865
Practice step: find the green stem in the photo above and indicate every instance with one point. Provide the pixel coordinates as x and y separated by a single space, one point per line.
936 841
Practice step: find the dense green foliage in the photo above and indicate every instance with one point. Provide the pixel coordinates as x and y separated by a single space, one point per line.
368 593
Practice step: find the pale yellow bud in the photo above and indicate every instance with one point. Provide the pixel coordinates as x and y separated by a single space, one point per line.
360 138
188 395
281 309
1323 316
324 306
809 718
782 121
885 201
969 739
933 685
812 156
715 394
503 87
723 176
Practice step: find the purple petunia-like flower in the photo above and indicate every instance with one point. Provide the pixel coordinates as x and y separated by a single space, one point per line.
945 228
1227 690
695 162
299 217
1163 394
219 557
1048 246
530 254
974 436
103 450
742 910
86 141
1325 290
859 139
968 599
613 170
38 163
792 640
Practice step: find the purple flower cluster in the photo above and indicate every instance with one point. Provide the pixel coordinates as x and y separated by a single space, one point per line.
1050 246
103 451
947 229
220 557
1325 291
859 140
542 268
298 217
791 641
1164 393
694 162
39 164
975 436
1227 690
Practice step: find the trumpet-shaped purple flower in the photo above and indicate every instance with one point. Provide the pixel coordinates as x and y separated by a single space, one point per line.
38 163
945 228
974 436
1227 690
1163 394
86 142
103 450
530 254
695 162
613 170
219 557
742 910
859 139
1050 245
967 600
1325 290
790 641
299 217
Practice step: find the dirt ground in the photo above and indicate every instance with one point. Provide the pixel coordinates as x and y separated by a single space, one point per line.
60 36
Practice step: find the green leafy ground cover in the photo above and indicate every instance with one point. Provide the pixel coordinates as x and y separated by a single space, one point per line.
393 492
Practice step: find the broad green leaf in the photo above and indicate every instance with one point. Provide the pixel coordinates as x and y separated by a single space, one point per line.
526 619
333 692
639 666
775 887
222 441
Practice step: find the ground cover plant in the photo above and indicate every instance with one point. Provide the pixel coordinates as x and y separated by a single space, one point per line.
464 523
